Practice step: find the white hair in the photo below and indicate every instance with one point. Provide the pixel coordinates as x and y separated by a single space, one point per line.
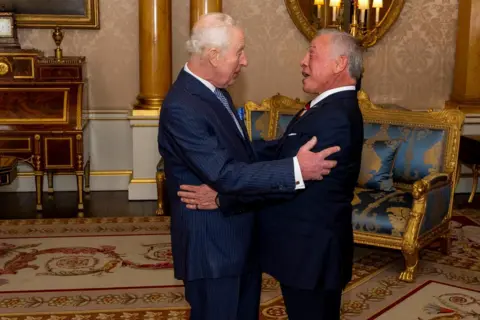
344 44
212 30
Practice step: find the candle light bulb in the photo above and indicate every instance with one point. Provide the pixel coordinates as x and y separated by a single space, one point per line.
319 2
335 3
363 4
377 4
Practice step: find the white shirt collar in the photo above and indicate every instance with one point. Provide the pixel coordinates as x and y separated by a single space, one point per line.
205 82
327 93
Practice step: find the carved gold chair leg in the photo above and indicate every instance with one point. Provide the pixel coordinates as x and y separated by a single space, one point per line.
411 263
446 243
39 189
475 169
50 182
80 206
87 177
160 192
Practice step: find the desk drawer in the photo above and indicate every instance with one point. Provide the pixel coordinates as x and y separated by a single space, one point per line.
11 144
60 73
59 152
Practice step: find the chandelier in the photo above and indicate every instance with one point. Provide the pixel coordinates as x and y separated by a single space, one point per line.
353 16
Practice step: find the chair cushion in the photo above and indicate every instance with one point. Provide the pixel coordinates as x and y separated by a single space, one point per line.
260 124
256 121
378 158
282 124
421 153
381 212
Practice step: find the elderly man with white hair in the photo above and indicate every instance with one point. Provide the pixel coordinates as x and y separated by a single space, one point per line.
203 141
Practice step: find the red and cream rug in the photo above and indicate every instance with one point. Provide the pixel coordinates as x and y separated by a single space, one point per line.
121 268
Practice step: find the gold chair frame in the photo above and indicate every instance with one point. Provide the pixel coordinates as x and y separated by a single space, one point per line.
411 243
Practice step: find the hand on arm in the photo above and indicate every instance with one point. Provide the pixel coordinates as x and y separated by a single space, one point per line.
195 140
314 165
205 198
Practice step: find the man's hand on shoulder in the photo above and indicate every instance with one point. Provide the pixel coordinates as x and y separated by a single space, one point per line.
314 165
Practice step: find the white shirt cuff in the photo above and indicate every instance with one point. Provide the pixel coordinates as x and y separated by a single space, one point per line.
299 184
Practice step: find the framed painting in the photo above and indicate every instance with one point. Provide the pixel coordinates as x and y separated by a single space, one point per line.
75 14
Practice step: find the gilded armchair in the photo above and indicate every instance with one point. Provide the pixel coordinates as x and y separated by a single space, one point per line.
417 209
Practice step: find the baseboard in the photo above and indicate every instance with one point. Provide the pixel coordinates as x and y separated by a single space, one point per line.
142 189
99 181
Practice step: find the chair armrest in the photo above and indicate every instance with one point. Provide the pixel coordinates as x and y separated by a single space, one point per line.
430 182
161 165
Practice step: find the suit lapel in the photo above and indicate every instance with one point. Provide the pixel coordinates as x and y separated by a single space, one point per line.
235 113
199 89
294 120
315 108
289 127
244 138
329 99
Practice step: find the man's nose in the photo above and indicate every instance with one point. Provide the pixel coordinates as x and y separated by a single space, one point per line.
304 61
244 60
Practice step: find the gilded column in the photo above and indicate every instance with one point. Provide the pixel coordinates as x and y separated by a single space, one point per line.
155 33
466 89
201 7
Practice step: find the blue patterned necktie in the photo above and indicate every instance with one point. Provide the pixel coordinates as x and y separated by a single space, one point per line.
225 103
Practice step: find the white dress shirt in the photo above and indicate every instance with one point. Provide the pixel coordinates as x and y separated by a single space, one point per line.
327 93
299 183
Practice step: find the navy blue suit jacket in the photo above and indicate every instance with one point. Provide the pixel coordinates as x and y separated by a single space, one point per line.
307 242
201 144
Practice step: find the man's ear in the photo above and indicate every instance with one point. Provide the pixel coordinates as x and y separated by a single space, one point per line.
341 64
213 56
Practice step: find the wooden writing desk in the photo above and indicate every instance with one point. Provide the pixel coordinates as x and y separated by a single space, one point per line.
42 102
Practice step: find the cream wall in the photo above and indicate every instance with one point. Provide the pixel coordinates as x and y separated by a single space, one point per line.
111 52
412 66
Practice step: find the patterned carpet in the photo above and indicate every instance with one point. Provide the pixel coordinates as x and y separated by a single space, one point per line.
120 268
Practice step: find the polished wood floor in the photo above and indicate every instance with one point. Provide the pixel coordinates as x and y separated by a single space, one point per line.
21 205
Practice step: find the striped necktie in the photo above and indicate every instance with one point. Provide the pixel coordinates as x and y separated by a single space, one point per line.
225 103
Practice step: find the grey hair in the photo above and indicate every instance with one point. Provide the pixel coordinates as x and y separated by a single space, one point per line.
212 30
344 44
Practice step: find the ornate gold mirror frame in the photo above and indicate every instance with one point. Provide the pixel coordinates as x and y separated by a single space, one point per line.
368 29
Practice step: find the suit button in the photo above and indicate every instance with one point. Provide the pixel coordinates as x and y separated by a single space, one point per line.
280 187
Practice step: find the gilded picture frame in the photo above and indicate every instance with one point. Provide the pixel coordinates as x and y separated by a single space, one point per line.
73 14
